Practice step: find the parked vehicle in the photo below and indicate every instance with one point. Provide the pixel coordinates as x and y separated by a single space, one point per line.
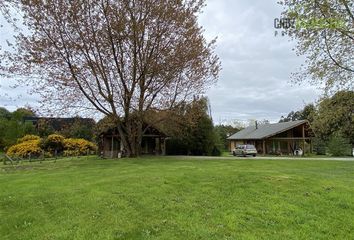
244 150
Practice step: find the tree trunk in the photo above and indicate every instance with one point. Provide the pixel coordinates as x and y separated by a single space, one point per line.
131 137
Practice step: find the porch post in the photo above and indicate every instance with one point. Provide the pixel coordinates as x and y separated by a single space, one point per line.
264 148
103 147
303 138
157 146
164 147
273 146
112 147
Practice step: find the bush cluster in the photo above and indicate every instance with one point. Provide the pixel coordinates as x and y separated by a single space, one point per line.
24 149
34 146
76 147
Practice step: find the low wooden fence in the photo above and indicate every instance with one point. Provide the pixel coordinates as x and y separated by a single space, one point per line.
6 159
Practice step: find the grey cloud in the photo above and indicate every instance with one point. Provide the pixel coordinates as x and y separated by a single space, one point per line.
255 80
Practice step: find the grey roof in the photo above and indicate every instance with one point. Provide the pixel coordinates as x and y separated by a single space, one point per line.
265 131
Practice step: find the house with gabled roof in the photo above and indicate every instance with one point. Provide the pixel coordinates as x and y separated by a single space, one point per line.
280 138
110 145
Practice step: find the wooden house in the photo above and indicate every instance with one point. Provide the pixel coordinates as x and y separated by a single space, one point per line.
111 146
280 138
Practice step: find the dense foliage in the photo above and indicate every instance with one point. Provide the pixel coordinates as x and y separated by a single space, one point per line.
223 132
12 126
194 134
339 146
68 127
335 114
80 129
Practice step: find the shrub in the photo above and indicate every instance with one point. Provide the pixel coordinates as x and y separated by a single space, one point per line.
216 151
53 142
338 146
76 147
24 149
28 138
319 146
55 138
175 146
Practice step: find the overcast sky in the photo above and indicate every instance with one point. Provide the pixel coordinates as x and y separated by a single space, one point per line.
256 65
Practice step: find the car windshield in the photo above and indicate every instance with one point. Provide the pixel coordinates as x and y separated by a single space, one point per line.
250 147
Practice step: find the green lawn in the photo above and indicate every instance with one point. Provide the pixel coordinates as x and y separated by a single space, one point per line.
167 198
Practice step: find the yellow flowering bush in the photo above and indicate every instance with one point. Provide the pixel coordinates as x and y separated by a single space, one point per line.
78 146
24 149
33 146
55 138
28 138
53 142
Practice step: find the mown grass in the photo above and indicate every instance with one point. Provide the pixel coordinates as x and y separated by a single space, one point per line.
170 198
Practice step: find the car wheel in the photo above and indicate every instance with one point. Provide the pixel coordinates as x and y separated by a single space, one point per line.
233 153
254 155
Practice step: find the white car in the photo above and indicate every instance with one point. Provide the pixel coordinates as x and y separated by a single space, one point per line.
244 150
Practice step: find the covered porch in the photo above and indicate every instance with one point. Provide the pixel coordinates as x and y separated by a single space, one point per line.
111 146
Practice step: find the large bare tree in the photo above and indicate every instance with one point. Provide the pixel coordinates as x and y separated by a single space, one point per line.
121 57
325 35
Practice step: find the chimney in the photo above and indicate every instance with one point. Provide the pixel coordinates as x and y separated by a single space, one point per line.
256 125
